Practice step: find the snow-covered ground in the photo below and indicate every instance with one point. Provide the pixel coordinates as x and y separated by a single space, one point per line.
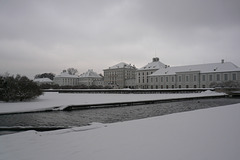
209 134
50 100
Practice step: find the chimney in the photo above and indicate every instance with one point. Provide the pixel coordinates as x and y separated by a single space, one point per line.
222 60
155 59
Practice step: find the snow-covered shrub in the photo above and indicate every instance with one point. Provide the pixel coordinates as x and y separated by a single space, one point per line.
18 88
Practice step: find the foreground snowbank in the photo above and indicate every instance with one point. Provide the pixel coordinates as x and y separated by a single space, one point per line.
49 101
202 134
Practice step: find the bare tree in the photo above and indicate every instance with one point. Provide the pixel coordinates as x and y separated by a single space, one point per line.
72 71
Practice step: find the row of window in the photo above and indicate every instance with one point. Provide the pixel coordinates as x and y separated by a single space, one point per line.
226 77
147 73
119 72
69 81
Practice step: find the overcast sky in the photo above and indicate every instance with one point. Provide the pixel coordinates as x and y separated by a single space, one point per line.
49 36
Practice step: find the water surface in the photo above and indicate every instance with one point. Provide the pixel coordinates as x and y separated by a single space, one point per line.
105 115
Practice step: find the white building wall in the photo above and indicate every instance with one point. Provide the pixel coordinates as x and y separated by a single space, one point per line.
65 81
191 79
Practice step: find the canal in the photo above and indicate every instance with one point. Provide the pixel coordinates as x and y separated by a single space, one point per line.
42 121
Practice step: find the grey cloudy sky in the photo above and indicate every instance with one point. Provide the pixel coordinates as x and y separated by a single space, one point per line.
49 36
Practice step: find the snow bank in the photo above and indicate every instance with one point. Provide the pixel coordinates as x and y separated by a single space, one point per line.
212 134
56 101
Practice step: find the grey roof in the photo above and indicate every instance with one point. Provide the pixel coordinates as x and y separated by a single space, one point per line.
202 68
153 65
66 75
91 74
121 65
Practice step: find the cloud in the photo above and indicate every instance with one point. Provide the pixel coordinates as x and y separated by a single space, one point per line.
97 34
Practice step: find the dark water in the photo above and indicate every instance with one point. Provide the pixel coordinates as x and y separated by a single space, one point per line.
64 119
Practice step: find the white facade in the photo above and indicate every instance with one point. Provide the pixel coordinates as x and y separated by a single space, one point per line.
120 75
90 78
142 75
155 75
194 76
65 79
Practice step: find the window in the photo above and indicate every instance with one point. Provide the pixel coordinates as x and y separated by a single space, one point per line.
172 79
210 77
195 78
225 77
203 78
161 86
218 77
167 86
187 78
234 77
166 79
203 86
179 78
195 86
179 86
172 86
161 79
156 79
187 86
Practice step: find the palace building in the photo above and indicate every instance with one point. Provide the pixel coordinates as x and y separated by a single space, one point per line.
65 79
91 78
142 74
119 76
156 75
194 76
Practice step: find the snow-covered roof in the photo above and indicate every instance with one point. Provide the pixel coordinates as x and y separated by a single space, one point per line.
202 68
122 65
90 73
43 80
155 64
66 75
